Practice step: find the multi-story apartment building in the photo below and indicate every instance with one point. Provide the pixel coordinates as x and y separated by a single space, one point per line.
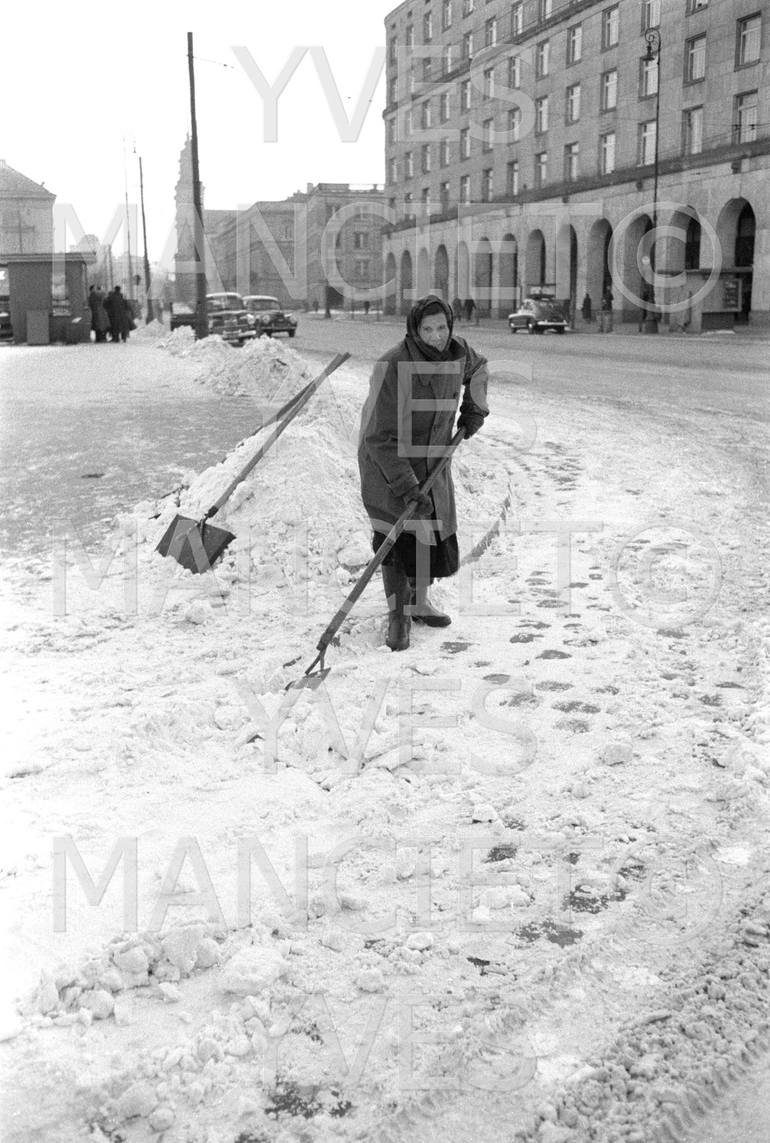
320 247
540 143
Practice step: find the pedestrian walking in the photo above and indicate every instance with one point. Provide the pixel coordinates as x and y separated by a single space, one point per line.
392 461
120 316
585 308
100 322
644 309
470 307
457 310
606 311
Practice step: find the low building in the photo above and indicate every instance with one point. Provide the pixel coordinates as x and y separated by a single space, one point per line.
26 214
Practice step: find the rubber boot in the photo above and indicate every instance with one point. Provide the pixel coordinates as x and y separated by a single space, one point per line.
397 593
423 610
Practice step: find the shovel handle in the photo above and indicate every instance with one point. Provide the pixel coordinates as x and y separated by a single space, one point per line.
294 407
385 548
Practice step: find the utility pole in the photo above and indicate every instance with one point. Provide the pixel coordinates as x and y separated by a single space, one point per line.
202 321
128 227
653 40
150 312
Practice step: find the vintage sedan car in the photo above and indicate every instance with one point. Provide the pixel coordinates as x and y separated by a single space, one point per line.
536 315
181 314
229 318
268 317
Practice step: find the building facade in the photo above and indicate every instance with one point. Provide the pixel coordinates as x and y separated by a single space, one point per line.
541 144
26 214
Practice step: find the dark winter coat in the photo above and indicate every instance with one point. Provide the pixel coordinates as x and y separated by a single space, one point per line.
395 424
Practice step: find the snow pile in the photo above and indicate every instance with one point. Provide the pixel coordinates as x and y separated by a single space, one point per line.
151 331
263 368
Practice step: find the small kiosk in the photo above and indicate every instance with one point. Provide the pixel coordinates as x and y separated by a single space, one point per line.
48 297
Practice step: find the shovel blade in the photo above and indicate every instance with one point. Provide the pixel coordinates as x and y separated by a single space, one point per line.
309 682
194 545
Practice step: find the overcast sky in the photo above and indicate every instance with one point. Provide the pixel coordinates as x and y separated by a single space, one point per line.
81 84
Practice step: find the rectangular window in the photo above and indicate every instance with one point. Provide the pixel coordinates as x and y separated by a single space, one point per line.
443 191
426 65
490 33
745 117
517 19
489 82
647 143
650 14
465 143
426 116
514 72
408 123
648 77
409 36
393 50
425 195
571 162
427 27
574 43
360 240
512 178
447 59
572 103
541 115
446 14
362 267
443 106
392 171
541 168
409 165
391 130
609 90
467 49
607 153
465 188
425 163
408 212
542 59
748 40
467 7
487 129
392 82
544 10
486 185
465 95
696 6
610 27
695 59
444 153
692 131
514 124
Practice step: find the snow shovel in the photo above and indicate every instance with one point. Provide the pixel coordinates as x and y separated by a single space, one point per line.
196 544
312 678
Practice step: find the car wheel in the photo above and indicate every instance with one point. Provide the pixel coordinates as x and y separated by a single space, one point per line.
512 328
539 329
530 327
560 329
292 332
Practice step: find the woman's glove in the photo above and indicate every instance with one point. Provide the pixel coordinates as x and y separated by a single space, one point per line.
421 502
471 422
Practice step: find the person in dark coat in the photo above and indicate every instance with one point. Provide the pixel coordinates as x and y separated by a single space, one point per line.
470 307
100 323
457 309
395 435
585 308
120 315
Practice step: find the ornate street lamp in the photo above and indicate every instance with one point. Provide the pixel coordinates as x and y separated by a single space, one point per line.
652 39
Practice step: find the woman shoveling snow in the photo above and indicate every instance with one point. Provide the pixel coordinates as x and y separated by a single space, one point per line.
407 422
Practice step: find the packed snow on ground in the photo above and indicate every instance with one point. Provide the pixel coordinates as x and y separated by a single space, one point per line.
509 884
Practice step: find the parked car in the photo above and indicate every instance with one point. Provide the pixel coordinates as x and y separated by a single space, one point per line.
6 329
536 315
182 314
268 317
229 318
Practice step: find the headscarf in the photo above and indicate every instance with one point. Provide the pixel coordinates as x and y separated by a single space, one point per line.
424 307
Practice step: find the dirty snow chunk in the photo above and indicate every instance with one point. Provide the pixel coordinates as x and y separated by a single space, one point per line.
181 945
552 1133
208 953
134 960
198 612
161 1119
47 994
370 980
252 970
616 753
98 1002
497 897
420 941
483 812
170 993
138 1100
